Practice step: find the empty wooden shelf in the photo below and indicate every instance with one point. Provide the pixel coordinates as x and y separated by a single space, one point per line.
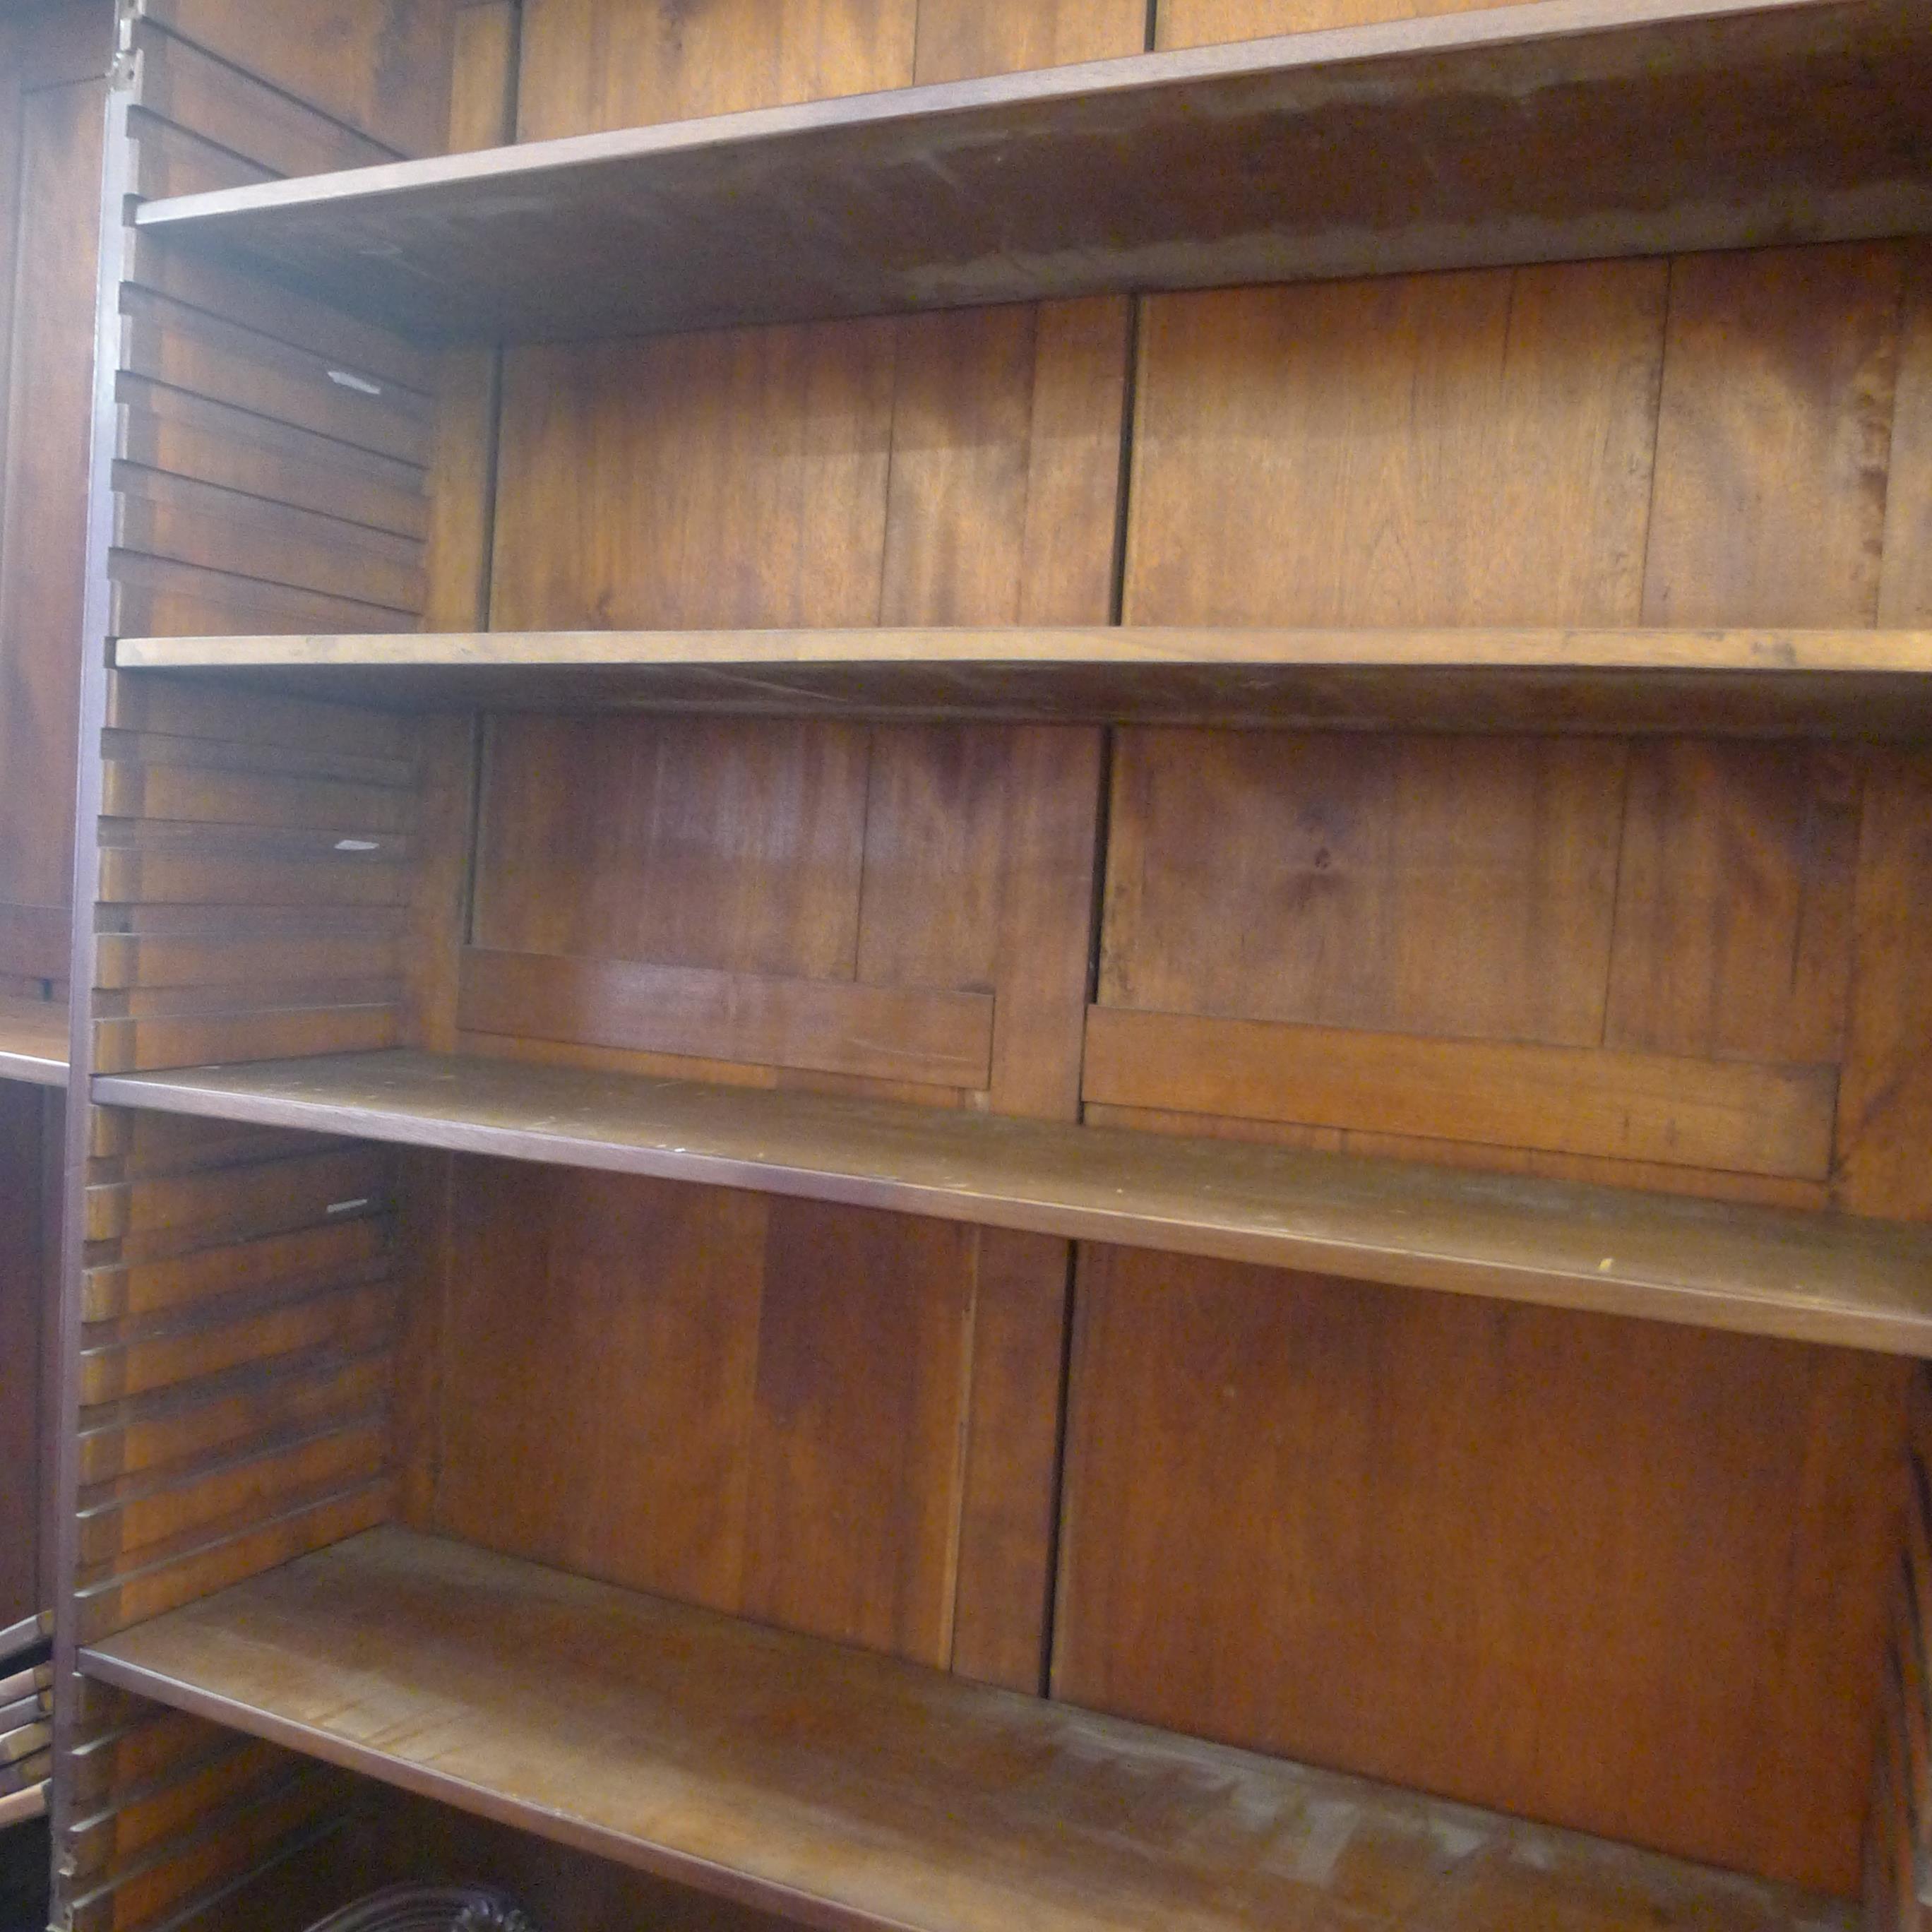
34 1041
848 1789
1821 1278
1873 683
1564 129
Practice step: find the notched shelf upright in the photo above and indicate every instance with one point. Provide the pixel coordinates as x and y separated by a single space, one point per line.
1117 1042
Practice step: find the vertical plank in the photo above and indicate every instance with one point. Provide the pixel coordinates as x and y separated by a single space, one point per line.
1011 1480
727 843
1467 448
1194 23
1735 901
599 1367
483 74
1884 1101
592 64
962 40
728 480
1905 589
1773 440
754 1405
1074 496
955 515
857 1434
1441 886
1611 1574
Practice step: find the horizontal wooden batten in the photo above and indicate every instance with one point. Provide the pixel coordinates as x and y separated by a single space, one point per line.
842 1789
1825 1278
1564 128
34 1041
1867 683
1731 1115
890 1033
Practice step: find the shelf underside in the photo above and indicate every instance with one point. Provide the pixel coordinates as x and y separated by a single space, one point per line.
848 1790
1558 130
1825 1278
1866 683
33 1041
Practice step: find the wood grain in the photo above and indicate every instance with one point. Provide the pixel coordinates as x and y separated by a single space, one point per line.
1470 449
384 74
1885 1113
845 1789
1625 1534
1758 1118
1772 443
1192 23
1440 886
1906 585
764 1416
1734 906
1767 683
1810 1277
33 1041
1572 130
939 1039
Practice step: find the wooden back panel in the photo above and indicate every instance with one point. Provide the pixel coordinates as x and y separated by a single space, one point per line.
1611 1574
1548 1562
53 61
843 1422
589 64
1194 23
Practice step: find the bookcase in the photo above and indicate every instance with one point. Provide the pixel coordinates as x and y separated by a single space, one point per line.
1007 996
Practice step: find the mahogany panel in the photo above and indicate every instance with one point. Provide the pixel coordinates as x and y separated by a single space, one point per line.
1774 437
1577 1568
1453 887
1192 23
750 1404
1471 448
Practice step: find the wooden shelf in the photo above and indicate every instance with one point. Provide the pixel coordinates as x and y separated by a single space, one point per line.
1864 1284
1563 129
33 1041
1869 683
848 1789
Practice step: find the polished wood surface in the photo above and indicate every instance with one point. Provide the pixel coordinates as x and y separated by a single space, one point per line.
1863 682
34 1041
750 1403
1821 1278
847 1790
1660 1668
591 65
1565 128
